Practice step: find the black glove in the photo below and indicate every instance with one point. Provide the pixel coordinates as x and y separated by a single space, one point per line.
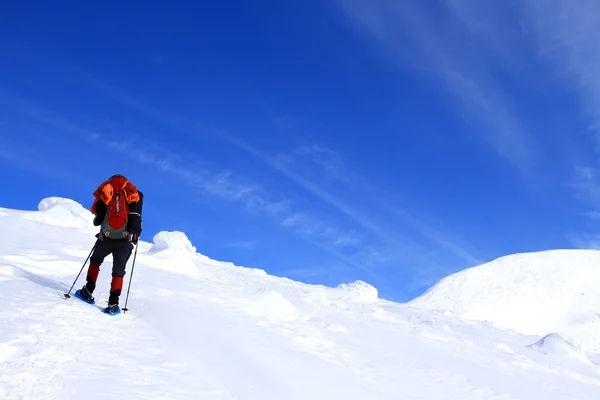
134 238
101 210
97 220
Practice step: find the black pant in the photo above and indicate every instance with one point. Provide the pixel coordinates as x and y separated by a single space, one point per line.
121 251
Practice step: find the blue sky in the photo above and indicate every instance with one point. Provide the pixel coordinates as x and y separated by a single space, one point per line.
393 142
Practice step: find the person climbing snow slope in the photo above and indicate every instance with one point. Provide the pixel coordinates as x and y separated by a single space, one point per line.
118 211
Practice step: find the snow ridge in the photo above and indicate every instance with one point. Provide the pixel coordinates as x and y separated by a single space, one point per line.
556 291
173 243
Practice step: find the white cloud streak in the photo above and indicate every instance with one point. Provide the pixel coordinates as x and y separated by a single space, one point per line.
402 247
221 184
309 226
445 50
334 166
586 183
585 241
318 192
549 45
328 160
437 237
566 34
562 34
562 37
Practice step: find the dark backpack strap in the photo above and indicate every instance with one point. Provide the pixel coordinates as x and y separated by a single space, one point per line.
134 224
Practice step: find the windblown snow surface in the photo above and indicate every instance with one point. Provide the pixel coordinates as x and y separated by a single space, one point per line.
522 327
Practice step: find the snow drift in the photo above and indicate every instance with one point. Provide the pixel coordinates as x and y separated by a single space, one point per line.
553 343
533 293
172 243
65 212
360 291
205 329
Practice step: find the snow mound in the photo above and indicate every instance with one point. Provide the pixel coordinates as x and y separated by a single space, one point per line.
532 293
66 212
360 291
172 242
554 344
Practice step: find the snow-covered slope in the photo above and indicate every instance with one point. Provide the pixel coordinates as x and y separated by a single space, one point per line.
203 329
534 293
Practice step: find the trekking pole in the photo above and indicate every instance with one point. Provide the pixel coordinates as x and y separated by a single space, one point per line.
68 295
125 309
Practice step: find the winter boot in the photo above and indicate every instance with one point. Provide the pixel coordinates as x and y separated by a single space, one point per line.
113 298
112 309
85 295
113 304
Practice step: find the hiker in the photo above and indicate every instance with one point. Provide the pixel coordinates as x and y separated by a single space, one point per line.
118 211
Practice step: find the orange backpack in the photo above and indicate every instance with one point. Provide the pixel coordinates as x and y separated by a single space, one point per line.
117 193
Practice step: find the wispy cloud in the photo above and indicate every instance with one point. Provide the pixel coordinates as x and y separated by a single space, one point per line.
436 232
585 241
337 204
558 38
562 34
342 239
334 166
222 184
328 160
594 215
566 35
587 185
550 46
308 225
397 247
444 50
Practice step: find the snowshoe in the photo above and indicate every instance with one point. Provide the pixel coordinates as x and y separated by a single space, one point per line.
112 309
85 295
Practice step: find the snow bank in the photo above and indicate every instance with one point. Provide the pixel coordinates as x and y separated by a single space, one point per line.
342 296
533 293
65 212
59 204
360 291
174 242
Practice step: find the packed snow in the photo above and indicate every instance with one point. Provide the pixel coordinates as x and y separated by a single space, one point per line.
539 293
521 327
